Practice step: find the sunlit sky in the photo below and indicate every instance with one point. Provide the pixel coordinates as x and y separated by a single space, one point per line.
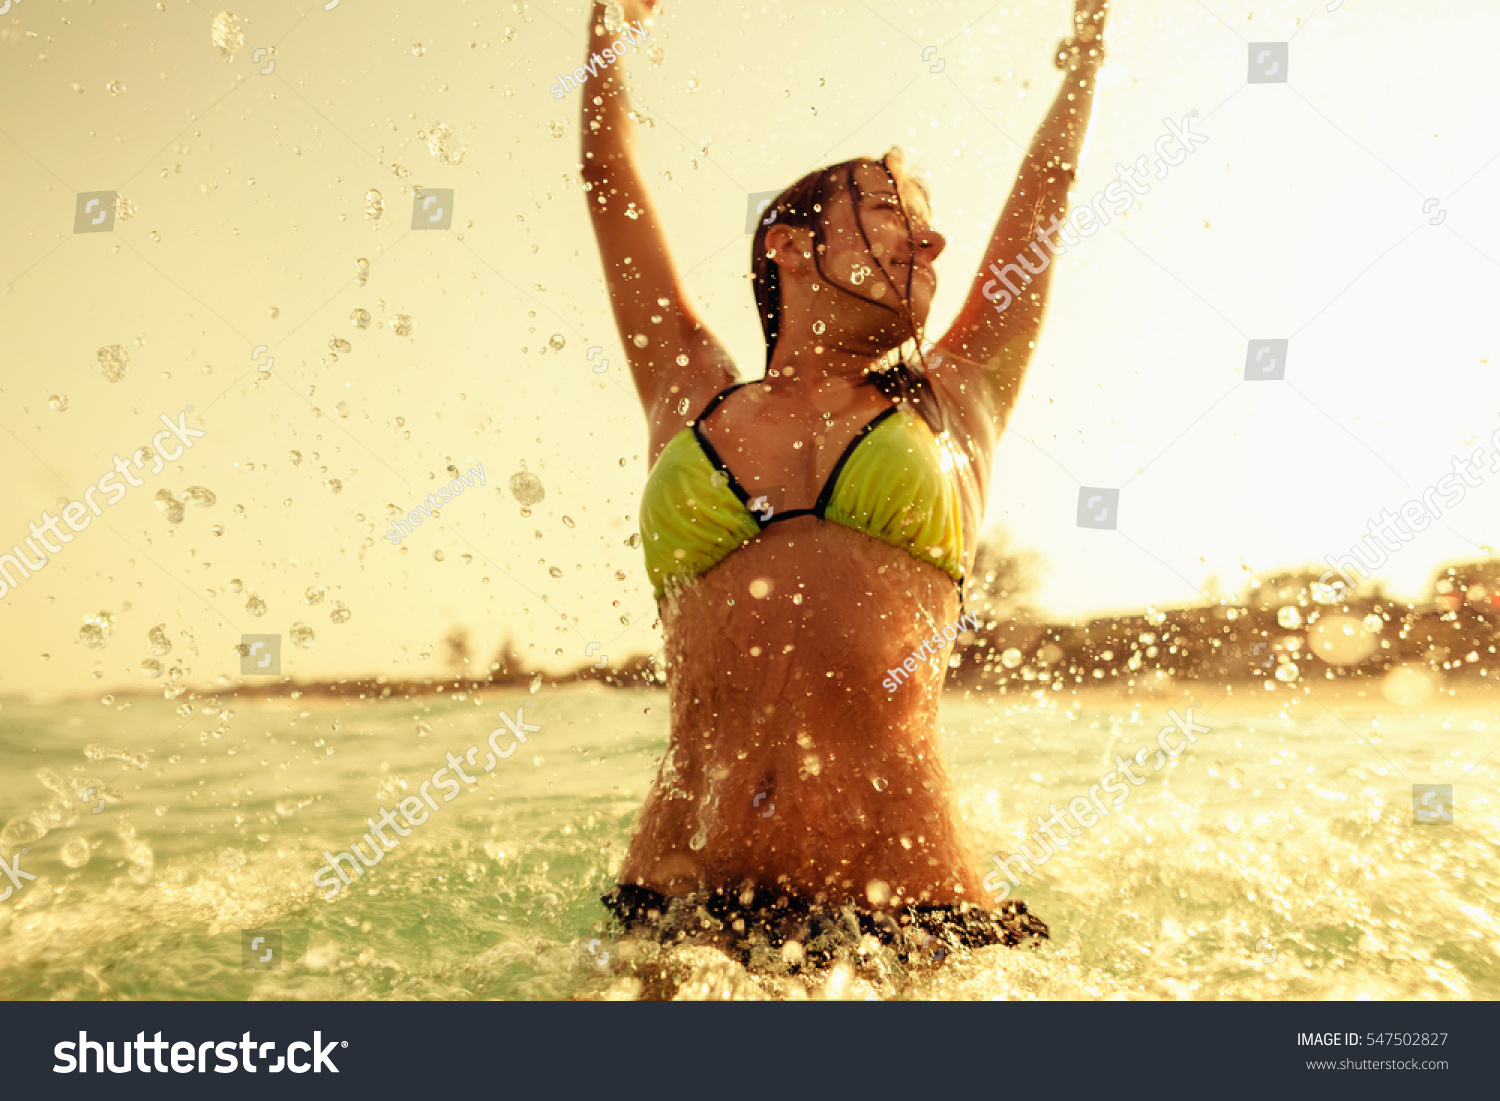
1306 216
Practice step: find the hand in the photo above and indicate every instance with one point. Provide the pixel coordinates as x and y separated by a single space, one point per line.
1087 43
632 10
639 9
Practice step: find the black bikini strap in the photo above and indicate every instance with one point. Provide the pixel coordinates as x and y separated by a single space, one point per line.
715 400
826 495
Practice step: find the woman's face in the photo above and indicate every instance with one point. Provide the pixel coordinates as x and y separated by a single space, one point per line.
901 256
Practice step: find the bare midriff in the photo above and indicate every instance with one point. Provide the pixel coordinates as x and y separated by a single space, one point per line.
791 766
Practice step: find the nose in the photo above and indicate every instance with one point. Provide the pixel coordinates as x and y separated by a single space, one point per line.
930 243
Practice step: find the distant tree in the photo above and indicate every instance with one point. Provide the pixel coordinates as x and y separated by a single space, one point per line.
456 647
508 662
1004 576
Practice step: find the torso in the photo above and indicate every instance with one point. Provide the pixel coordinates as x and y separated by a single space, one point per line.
777 659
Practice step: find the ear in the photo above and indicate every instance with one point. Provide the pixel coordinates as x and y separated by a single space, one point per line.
787 245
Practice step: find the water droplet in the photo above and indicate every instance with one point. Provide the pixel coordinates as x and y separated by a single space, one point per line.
75 851
879 784
362 268
314 594
401 325
634 540
96 630
438 555
818 327
555 571
536 684
374 208
640 340
151 667
361 319
160 644
170 506
555 129
417 49
295 457
334 485
423 729
255 606
340 613
228 35
557 341
568 521
682 361
301 635
444 143
114 361
200 495
125 209
527 488
625 621
340 345
115 87
59 402
236 585
619 575
699 839
1289 617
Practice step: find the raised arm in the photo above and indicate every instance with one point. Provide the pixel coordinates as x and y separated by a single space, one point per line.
1002 316
657 325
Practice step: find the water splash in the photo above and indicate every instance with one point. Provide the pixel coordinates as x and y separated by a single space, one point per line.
96 630
114 361
97 752
527 488
228 34
444 143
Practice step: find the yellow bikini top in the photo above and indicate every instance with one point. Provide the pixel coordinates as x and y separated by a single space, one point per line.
895 481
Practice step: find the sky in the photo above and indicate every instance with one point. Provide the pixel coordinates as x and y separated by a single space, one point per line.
1344 210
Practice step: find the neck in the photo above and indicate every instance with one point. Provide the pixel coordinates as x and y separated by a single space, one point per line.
821 360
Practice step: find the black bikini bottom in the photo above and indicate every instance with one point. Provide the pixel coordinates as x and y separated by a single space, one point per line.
932 931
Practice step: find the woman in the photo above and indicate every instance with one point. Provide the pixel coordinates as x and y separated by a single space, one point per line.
807 533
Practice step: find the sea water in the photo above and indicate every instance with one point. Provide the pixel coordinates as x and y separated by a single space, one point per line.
1277 857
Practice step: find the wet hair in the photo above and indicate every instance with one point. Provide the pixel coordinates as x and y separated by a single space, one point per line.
806 204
